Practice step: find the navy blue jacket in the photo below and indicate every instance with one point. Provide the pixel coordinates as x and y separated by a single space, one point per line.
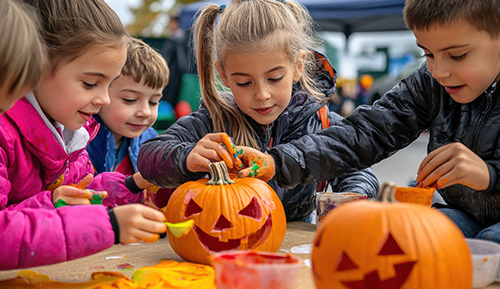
103 154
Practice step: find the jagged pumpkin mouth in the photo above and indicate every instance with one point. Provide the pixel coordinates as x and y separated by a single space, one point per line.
372 279
248 242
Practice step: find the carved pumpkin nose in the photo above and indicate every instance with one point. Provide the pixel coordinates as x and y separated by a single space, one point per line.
222 224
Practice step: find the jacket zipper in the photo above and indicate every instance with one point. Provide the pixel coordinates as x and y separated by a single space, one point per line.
489 97
268 131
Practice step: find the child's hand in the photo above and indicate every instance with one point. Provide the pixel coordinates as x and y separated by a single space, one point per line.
138 222
257 164
83 183
452 164
209 149
141 182
72 195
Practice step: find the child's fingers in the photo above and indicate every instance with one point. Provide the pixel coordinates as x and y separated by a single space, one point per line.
76 201
69 192
135 236
257 164
83 183
71 196
154 238
244 173
153 214
147 231
101 194
231 148
227 159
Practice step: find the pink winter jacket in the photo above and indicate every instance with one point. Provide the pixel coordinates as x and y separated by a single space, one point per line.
32 231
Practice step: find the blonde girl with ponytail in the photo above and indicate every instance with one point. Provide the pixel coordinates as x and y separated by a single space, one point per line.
262 84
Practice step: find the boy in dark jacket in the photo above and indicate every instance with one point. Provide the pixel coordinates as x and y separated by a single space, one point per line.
454 96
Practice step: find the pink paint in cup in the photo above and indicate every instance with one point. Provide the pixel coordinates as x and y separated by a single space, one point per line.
255 270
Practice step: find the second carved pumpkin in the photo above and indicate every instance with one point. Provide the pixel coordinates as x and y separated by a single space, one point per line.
390 245
239 214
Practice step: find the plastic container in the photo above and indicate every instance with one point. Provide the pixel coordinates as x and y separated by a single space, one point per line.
255 270
485 260
327 201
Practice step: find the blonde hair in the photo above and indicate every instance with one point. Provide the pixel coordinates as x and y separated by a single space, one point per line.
144 62
257 25
482 14
71 27
22 53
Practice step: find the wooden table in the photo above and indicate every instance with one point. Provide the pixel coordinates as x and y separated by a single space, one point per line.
142 255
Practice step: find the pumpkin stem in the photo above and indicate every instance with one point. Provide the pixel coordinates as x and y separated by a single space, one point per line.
219 175
387 193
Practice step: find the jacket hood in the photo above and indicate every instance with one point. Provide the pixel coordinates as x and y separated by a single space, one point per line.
324 76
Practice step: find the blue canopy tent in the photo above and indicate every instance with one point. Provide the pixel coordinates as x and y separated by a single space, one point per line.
347 16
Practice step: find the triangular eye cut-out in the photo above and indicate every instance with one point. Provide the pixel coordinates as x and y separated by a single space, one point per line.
252 210
192 208
319 238
345 263
222 223
390 247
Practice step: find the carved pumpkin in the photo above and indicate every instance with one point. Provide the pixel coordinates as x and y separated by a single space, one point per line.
239 214
368 244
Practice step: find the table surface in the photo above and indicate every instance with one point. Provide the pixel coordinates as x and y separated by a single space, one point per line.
142 255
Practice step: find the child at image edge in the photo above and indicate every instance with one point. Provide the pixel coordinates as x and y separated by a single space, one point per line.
279 86
454 95
42 146
126 122
22 53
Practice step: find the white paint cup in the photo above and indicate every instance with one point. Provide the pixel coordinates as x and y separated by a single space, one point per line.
485 261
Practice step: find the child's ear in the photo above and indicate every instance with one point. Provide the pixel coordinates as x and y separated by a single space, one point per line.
222 73
299 66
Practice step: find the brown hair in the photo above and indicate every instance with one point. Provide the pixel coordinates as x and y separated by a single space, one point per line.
70 27
256 25
22 53
144 62
482 14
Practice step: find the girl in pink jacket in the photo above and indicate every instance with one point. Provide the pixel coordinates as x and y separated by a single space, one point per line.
42 147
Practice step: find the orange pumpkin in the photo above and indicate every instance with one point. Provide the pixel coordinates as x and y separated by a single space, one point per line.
368 244
239 214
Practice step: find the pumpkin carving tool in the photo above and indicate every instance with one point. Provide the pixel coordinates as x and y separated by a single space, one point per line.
181 228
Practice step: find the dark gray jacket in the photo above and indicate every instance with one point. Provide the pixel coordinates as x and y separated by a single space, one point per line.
162 159
371 134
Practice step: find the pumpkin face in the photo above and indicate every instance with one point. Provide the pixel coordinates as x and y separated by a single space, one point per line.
245 215
369 244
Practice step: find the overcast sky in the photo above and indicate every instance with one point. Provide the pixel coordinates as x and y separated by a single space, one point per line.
121 8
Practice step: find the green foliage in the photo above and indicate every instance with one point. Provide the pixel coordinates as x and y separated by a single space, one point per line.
150 14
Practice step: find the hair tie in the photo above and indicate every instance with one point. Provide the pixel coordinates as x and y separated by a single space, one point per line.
221 8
